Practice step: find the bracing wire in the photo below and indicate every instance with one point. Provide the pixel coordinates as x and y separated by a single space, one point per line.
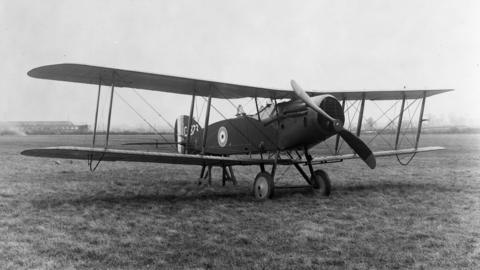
404 135
388 124
145 120
350 117
153 108
409 125
249 120
237 129
90 160
201 110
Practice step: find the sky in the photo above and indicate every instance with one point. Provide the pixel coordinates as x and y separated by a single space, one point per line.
323 45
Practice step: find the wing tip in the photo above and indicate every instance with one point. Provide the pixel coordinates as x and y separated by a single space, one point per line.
38 72
29 152
40 152
34 72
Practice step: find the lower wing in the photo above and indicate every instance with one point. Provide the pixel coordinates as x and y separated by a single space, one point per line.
336 158
88 153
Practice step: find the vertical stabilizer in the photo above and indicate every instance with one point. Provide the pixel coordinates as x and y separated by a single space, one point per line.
181 135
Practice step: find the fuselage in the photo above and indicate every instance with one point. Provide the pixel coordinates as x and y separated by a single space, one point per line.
288 125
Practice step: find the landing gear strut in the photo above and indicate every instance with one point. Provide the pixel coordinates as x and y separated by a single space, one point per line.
227 175
264 187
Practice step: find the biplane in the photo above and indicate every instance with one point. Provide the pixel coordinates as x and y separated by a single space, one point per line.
281 133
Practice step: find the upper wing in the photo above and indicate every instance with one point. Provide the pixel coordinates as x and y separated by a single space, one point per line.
71 152
385 94
141 80
179 85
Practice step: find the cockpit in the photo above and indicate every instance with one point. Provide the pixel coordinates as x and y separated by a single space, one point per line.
265 112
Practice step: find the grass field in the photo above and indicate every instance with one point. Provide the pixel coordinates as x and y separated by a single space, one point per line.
57 214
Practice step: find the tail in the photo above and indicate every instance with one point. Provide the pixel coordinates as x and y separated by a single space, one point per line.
181 134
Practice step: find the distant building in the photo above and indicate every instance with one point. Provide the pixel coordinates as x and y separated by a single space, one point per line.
43 127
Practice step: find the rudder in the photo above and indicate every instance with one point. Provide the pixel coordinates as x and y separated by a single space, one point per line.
180 133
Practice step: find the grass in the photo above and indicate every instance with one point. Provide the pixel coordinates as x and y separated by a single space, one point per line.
150 216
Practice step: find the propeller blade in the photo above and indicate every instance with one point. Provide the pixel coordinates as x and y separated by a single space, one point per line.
303 96
359 147
353 141
337 125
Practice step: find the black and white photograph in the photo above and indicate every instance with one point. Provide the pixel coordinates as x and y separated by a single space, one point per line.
182 134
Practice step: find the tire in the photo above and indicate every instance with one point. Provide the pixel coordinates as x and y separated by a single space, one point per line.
263 187
321 182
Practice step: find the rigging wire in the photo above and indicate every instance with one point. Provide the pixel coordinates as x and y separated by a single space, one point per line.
249 120
237 129
388 124
350 117
153 108
102 114
90 161
410 124
404 135
201 110
281 175
145 120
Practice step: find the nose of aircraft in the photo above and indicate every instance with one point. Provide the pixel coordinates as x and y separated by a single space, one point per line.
332 107
353 141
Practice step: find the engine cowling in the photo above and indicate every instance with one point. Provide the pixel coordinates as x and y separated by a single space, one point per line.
332 107
303 126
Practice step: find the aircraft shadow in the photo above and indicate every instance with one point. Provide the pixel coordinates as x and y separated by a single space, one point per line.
240 195
396 187
139 199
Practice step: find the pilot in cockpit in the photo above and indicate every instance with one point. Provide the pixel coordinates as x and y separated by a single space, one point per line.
240 111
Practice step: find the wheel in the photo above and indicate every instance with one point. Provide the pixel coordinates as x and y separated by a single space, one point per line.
321 182
263 186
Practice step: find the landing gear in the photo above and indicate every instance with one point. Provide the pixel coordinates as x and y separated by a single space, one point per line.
228 175
321 182
263 187
205 175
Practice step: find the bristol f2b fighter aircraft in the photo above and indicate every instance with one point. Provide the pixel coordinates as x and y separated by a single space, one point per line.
278 134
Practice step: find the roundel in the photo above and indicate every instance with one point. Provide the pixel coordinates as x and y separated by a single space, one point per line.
222 136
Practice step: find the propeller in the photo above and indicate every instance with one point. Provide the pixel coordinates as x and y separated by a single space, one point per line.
353 141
